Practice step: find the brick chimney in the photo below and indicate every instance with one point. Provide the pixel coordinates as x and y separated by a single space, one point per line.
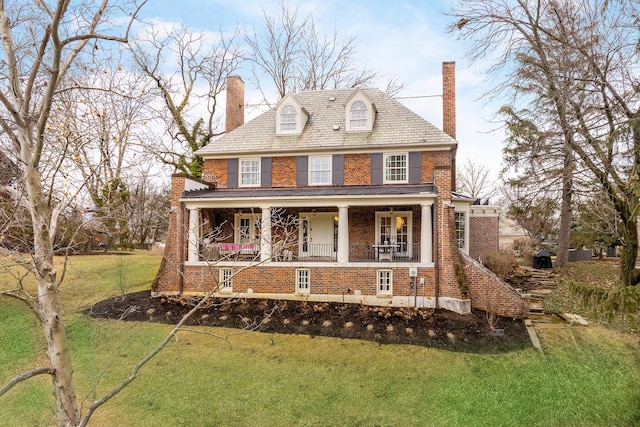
235 103
449 98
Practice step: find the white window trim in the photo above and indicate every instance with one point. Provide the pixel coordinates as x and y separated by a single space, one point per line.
383 292
299 290
225 286
249 159
461 207
330 170
384 168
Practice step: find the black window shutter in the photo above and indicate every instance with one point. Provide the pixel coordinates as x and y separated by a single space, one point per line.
302 171
377 171
337 169
232 173
265 172
415 167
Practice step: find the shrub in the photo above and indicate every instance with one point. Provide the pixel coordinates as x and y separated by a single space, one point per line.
501 263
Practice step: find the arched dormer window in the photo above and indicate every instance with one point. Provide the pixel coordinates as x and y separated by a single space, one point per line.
288 116
358 115
360 112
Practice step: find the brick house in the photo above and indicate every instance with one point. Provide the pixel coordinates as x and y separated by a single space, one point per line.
334 195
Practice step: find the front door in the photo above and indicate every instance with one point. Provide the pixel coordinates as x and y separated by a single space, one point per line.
318 235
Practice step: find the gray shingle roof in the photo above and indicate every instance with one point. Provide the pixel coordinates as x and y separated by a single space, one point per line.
394 125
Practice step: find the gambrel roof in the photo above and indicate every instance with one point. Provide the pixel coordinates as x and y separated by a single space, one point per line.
394 127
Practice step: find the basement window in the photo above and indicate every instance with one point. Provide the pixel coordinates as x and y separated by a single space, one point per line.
385 283
303 281
226 280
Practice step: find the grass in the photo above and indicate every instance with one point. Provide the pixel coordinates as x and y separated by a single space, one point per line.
587 377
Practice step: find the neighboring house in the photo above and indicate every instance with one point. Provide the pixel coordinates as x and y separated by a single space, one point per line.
511 234
364 187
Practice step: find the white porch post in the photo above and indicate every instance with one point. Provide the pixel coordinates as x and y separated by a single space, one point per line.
426 233
343 234
266 248
194 235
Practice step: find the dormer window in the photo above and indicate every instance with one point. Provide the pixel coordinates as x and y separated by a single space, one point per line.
358 115
291 117
288 119
360 112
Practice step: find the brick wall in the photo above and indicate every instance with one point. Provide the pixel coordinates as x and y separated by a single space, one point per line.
215 170
324 280
357 169
168 277
489 293
283 171
483 236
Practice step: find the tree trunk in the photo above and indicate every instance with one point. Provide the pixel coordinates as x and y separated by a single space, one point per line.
565 209
629 253
49 303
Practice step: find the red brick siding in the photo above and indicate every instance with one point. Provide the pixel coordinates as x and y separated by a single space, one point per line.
283 172
324 280
357 169
489 293
215 170
483 236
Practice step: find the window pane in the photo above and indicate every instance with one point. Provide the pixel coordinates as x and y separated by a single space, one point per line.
358 115
288 118
320 170
460 229
250 172
395 166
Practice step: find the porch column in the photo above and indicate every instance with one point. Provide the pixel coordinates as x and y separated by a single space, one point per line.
266 249
426 233
343 234
194 235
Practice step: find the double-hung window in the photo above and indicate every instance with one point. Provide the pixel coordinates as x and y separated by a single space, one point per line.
358 115
288 119
249 172
395 168
320 170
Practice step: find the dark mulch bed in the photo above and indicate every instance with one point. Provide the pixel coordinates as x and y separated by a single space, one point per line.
425 327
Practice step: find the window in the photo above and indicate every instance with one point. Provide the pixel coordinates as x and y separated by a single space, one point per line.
358 115
460 229
288 119
385 282
247 229
303 281
226 280
395 168
320 170
249 172
395 229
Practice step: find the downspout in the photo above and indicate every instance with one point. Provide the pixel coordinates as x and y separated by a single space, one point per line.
436 236
181 246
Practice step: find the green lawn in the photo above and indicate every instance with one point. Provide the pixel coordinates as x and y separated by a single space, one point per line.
589 376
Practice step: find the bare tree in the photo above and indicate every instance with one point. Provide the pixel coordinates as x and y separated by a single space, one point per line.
100 128
40 42
292 55
473 180
187 94
576 59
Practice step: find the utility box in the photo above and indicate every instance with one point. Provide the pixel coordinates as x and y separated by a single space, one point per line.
413 272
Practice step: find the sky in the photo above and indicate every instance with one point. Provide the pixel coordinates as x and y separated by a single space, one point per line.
402 38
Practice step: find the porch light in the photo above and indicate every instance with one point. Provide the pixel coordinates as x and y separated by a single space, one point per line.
390 210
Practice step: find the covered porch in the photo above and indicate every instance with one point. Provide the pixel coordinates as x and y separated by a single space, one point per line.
344 225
